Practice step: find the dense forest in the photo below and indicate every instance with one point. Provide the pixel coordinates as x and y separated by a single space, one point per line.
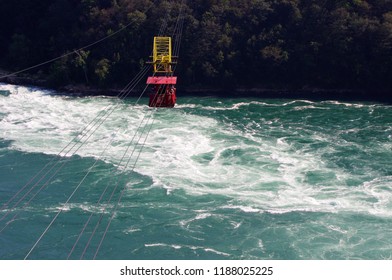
291 44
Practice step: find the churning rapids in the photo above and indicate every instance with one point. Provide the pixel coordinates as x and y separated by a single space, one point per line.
217 178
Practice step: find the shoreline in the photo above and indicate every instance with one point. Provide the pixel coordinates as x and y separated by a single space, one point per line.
317 94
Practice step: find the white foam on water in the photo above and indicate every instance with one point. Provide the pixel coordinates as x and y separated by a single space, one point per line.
86 207
337 229
216 252
186 106
194 248
307 107
247 209
156 245
346 104
232 107
235 106
132 230
40 122
198 154
201 216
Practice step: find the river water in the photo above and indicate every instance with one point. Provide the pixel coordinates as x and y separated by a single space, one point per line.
213 178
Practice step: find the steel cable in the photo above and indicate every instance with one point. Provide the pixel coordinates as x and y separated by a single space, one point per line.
40 238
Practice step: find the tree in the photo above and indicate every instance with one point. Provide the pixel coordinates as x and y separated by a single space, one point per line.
102 71
265 43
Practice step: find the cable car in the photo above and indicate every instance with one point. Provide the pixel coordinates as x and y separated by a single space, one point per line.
164 83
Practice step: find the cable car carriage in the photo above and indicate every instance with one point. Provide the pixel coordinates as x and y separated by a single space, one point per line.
163 81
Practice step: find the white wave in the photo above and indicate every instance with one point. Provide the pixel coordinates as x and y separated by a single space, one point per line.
233 107
200 216
132 230
186 106
247 209
156 245
298 101
216 252
346 104
307 107
194 248
198 154
90 208
337 229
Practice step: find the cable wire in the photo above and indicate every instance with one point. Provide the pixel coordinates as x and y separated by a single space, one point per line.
102 120
133 167
178 28
73 193
82 132
73 52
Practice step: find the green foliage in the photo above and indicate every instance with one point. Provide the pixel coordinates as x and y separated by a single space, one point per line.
282 43
102 70
81 61
59 74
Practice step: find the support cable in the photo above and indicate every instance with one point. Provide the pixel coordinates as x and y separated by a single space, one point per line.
73 193
124 188
71 196
177 32
107 186
133 167
164 24
73 52
115 188
130 157
98 123
83 133
161 32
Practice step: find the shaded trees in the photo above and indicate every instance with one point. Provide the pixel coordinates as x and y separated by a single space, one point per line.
266 43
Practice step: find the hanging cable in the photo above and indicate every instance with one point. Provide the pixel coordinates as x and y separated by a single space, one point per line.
119 164
132 169
69 198
98 125
164 23
73 193
73 52
82 132
179 27
177 32
121 194
45 231
116 186
162 29
123 189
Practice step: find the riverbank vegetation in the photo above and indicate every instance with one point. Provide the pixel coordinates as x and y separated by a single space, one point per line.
276 44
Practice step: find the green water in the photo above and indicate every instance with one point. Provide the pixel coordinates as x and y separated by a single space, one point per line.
216 179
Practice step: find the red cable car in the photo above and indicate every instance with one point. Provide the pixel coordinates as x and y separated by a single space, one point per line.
164 90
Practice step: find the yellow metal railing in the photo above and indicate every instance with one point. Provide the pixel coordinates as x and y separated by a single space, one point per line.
162 55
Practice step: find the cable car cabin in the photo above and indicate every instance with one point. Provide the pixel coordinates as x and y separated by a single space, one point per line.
164 90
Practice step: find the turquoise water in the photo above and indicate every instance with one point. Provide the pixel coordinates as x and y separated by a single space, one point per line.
216 178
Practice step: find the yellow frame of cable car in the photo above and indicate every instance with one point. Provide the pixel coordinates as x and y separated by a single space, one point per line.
162 55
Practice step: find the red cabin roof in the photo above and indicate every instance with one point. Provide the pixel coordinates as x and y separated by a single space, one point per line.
162 80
